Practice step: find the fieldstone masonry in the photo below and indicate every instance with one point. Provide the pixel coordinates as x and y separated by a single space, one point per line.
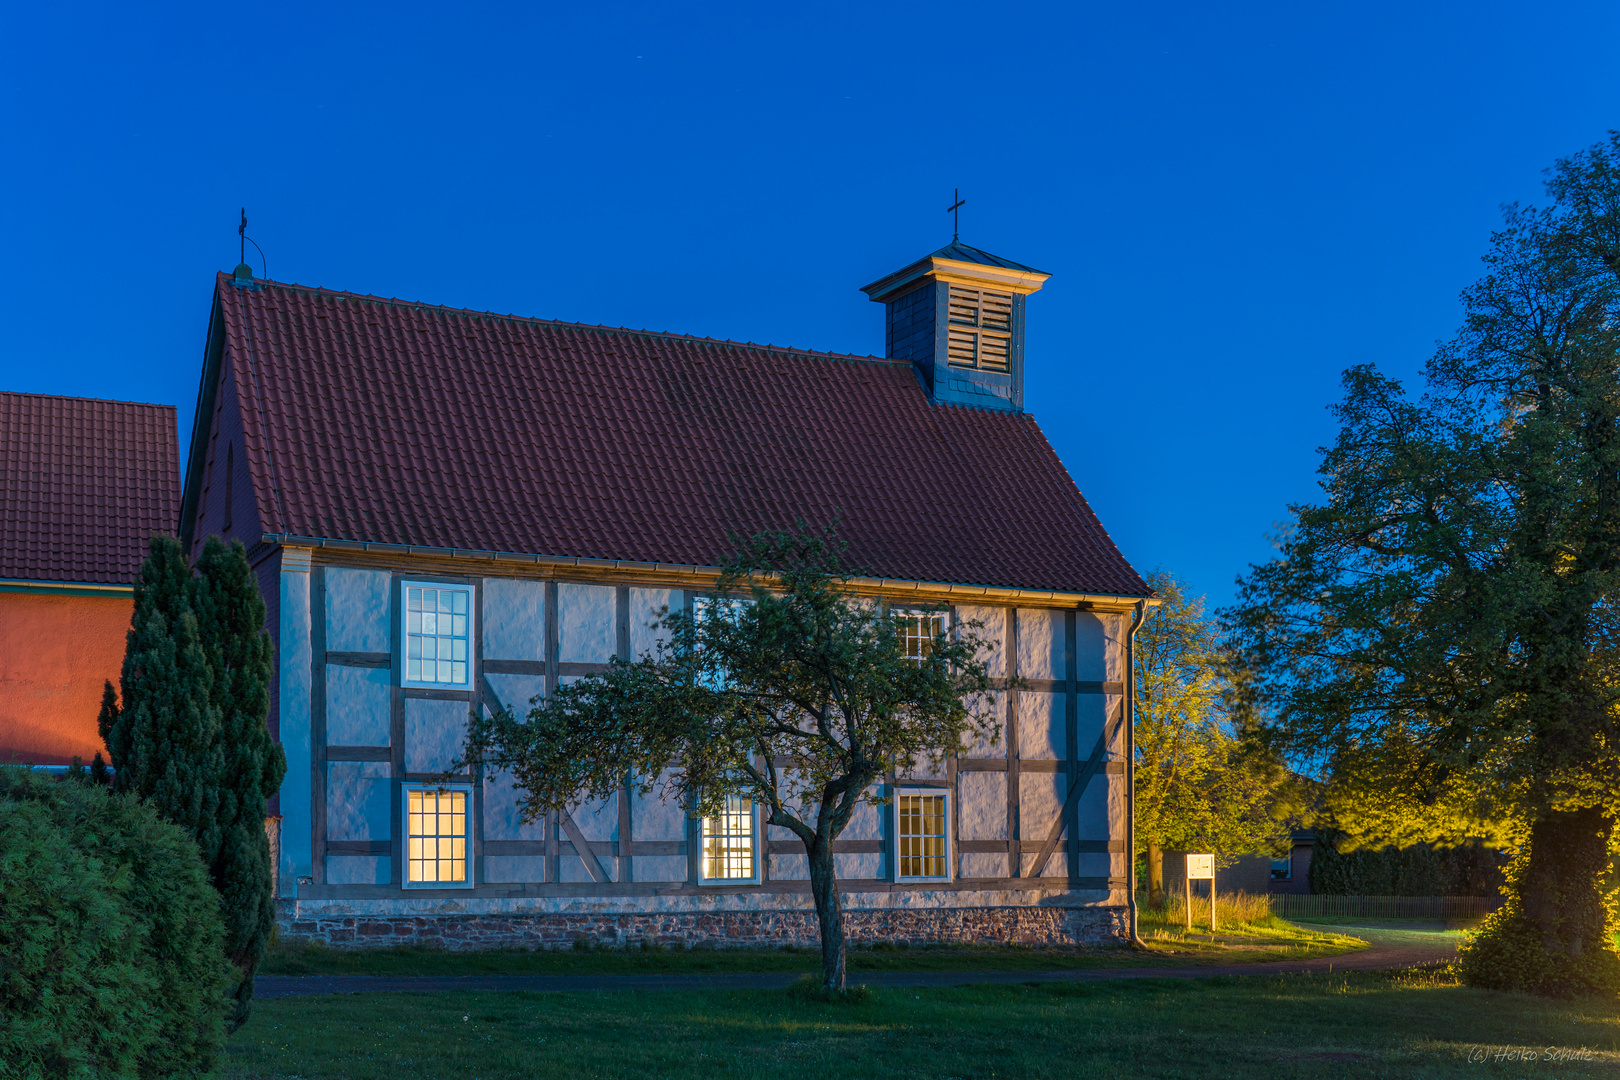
1088 926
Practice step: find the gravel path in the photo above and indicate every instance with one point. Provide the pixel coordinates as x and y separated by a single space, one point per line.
1387 951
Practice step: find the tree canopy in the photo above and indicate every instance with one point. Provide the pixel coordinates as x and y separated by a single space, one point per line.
1439 633
783 689
1199 785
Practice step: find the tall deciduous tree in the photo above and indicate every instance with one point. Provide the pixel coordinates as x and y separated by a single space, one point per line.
799 698
189 735
1199 786
1441 631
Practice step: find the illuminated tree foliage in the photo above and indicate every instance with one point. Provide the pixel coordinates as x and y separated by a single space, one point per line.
796 696
1199 787
1441 631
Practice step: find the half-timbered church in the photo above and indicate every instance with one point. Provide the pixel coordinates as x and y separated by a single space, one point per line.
451 511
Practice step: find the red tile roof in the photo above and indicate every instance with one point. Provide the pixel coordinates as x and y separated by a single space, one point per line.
83 485
393 422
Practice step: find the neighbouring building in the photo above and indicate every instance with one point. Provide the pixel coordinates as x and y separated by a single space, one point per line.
83 486
453 510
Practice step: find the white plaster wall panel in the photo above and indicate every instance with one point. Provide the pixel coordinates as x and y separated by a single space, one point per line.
646 609
1040 643
514 619
358 870
660 867
1115 628
358 704
516 692
434 733
1091 645
982 805
1039 801
1093 864
586 629
865 823
981 744
1041 727
570 868
658 815
980 865
1098 819
851 865
921 768
790 868
358 800
597 819
1057 866
994 633
514 869
357 610
1090 712
501 818
293 646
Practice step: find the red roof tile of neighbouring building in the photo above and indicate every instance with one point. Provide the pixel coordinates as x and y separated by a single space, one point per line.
368 419
83 485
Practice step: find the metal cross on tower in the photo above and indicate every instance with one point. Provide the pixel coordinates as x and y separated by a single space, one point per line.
956 209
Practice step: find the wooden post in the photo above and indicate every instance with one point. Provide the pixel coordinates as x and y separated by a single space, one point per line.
1186 879
1212 903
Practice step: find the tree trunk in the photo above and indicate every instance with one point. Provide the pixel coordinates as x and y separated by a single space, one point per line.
1155 874
1560 889
824 887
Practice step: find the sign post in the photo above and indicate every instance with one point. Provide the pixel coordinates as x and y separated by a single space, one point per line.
1201 868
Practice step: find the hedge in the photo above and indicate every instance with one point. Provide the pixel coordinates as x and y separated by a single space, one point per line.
111 945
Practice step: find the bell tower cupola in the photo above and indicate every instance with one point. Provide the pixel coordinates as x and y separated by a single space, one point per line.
958 316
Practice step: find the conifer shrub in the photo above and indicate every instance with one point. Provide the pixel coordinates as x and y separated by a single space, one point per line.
111 947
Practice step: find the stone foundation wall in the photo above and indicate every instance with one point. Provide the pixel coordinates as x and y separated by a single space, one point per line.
1090 926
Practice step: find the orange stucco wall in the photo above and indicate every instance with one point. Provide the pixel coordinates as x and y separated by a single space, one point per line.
55 653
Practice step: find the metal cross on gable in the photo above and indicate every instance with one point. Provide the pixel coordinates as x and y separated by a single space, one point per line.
956 209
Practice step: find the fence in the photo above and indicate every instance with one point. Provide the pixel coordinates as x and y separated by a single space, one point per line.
1290 906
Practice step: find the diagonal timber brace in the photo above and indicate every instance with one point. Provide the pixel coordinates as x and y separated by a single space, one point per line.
1077 788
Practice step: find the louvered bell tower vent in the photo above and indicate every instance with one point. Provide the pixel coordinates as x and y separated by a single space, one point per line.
958 316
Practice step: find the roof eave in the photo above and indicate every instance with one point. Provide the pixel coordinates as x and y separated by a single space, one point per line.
954 591
1001 277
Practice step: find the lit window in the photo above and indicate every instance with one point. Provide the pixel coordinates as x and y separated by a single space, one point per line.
438 634
729 843
917 630
980 329
436 837
922 836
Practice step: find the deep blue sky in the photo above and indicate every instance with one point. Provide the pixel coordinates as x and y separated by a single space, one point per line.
1235 201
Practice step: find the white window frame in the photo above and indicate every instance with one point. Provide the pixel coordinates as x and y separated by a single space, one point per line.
405 641
758 850
464 790
943 615
894 826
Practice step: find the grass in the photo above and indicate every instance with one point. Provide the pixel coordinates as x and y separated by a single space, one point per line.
1263 938
1418 1024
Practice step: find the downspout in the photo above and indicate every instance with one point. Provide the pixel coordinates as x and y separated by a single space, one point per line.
1130 771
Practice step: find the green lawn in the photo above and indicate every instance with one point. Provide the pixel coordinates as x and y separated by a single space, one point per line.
1265 939
1412 1025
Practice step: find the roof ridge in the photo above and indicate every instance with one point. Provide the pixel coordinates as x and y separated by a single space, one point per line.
103 401
600 328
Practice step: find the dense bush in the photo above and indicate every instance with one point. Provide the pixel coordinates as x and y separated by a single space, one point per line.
1419 870
1508 951
111 946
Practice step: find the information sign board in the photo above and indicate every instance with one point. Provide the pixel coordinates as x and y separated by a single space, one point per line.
1201 867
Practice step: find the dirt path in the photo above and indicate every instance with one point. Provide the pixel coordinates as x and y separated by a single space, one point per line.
1390 949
